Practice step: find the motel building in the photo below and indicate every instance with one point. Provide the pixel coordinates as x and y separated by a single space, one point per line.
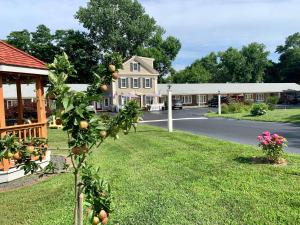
138 80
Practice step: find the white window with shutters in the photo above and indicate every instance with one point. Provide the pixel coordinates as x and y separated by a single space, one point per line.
147 83
123 81
134 67
135 82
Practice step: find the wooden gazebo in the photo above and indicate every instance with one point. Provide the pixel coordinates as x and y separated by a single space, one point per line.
18 67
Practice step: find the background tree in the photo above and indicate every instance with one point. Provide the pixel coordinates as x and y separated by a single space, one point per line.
124 26
21 40
195 73
164 51
83 54
289 59
44 45
256 58
246 65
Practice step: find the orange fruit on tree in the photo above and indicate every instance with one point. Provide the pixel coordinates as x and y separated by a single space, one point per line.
115 75
30 149
95 220
102 214
112 68
83 124
105 220
17 156
104 88
79 150
103 134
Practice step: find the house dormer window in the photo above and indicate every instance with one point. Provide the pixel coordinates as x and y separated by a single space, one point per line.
135 66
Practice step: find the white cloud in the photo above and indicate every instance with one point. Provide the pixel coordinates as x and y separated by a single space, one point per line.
213 25
201 25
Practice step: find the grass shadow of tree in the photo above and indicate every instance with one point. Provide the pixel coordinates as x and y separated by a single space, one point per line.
252 160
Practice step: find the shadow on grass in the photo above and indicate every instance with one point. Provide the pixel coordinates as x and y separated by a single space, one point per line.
252 160
294 119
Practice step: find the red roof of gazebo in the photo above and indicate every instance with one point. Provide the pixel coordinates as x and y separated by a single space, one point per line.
12 56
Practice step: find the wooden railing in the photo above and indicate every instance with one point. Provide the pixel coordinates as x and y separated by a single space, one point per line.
24 132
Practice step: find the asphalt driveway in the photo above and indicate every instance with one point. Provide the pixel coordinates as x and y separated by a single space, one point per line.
241 131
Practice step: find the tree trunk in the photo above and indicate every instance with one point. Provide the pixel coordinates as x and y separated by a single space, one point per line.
76 197
80 209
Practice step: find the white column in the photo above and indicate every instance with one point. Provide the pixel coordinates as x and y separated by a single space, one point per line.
170 119
219 103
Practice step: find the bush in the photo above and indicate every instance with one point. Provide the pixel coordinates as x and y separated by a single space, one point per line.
224 108
271 102
235 107
259 109
272 145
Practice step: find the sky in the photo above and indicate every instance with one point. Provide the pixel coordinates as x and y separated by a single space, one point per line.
202 26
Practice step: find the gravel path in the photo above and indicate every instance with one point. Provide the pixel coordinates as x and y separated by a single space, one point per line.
33 178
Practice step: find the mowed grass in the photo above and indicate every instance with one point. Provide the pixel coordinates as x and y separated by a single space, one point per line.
177 178
277 115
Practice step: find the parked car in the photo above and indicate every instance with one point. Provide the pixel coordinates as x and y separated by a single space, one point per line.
177 104
214 101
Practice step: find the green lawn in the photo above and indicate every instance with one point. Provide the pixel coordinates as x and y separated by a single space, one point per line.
278 115
163 178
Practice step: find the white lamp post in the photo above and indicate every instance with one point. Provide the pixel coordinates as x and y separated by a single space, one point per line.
170 119
219 102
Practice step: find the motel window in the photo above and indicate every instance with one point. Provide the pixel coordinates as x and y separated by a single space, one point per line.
187 99
202 99
123 82
248 96
135 83
260 97
147 83
177 97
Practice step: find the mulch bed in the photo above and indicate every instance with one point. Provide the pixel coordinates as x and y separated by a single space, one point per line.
34 178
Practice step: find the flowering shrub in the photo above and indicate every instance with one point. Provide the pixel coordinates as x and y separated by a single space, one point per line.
259 109
272 145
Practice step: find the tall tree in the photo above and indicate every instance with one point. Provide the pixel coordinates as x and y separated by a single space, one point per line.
117 25
289 59
42 45
164 51
21 40
194 73
83 54
232 65
256 58
124 26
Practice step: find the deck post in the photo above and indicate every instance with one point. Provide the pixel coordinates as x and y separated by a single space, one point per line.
40 104
20 101
2 109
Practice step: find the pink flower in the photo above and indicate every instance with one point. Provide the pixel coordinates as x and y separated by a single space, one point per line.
266 133
265 143
260 138
279 142
268 138
275 136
